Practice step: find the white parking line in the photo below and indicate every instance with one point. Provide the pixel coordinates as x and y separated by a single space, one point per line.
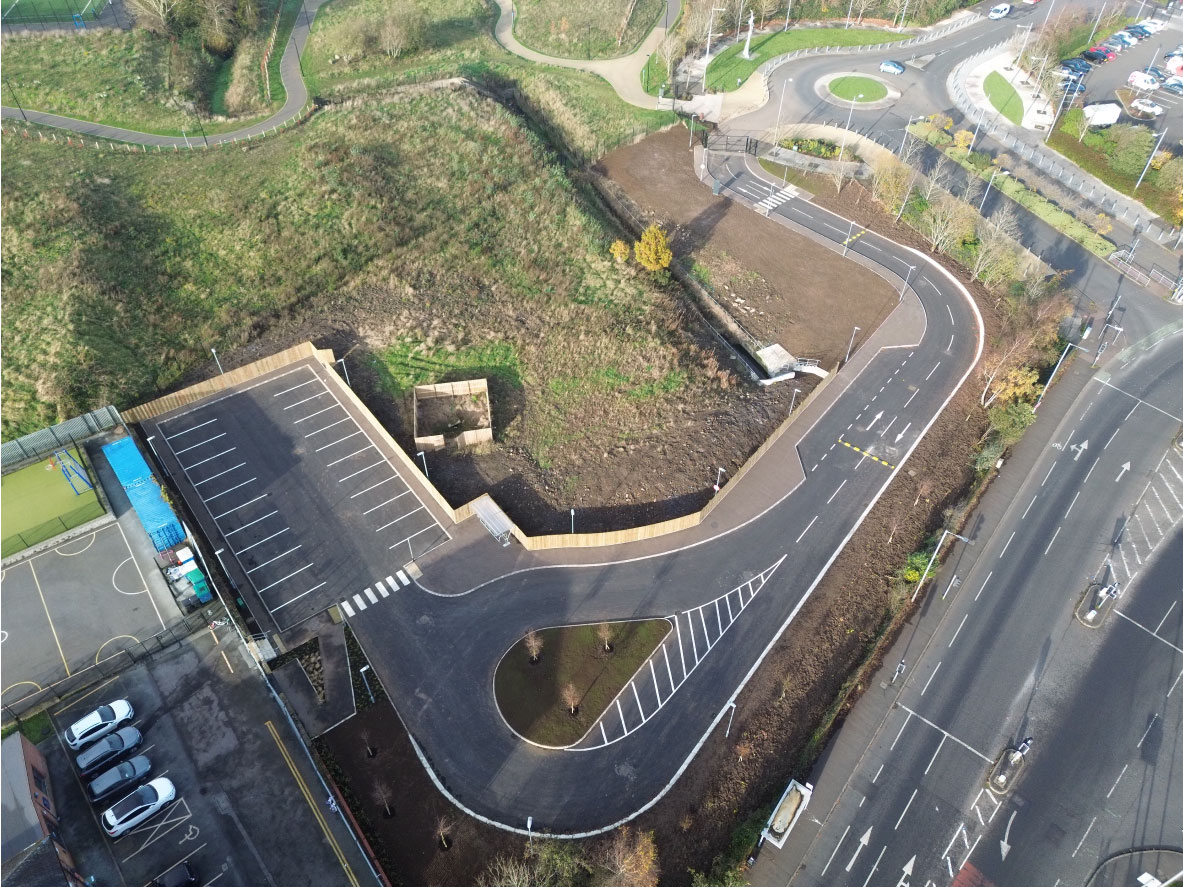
400 517
202 444
387 502
219 474
187 468
187 430
305 400
284 579
261 541
413 535
373 486
350 456
274 559
317 413
294 387
231 490
337 441
302 594
362 471
326 427
239 507
251 524
637 696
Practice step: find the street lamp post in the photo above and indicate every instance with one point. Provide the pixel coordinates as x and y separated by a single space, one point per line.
988 184
719 478
423 456
849 117
779 108
214 352
1151 157
572 521
788 15
362 671
935 552
706 59
17 100
1055 370
851 345
796 391
345 370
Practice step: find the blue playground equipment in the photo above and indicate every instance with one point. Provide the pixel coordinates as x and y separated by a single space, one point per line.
72 471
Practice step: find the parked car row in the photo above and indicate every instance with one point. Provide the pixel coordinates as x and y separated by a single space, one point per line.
100 740
1108 49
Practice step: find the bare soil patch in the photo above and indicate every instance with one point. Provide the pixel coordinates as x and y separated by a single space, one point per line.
780 286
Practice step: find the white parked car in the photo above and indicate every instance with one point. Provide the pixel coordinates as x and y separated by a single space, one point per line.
1153 25
98 723
1002 10
1147 107
139 805
1142 80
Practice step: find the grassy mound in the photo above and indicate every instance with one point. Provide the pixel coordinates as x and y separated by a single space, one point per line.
531 694
585 30
1003 97
120 272
858 89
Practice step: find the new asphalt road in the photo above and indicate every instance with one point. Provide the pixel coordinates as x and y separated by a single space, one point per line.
1009 659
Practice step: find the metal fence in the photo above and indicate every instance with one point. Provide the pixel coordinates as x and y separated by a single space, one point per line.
37 445
18 542
111 665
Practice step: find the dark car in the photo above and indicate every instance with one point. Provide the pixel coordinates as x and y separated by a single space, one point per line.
1138 31
1157 73
1173 88
180 875
107 749
121 776
1076 64
1095 56
1072 88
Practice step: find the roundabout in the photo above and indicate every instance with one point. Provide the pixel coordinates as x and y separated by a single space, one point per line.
850 89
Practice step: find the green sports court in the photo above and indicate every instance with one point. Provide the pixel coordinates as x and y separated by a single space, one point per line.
39 501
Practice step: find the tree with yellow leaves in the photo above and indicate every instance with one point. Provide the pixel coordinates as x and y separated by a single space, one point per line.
630 860
653 249
620 251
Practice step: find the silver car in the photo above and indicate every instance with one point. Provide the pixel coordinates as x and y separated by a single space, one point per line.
112 746
118 778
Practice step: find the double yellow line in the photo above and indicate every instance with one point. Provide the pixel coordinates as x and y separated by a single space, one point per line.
324 826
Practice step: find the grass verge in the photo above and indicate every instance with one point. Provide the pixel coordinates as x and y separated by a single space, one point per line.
35 727
1003 97
858 89
588 30
531 695
729 69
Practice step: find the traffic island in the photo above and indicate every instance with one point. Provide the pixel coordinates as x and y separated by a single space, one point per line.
1096 603
1008 768
850 89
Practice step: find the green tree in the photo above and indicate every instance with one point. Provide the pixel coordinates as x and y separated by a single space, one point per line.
653 249
1009 421
1131 146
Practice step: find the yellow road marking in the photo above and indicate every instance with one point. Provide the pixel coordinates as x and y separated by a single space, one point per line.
48 618
865 453
312 804
117 637
227 661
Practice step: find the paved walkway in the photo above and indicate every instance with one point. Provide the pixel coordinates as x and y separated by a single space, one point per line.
1037 110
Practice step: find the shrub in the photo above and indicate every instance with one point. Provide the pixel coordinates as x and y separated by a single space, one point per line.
653 249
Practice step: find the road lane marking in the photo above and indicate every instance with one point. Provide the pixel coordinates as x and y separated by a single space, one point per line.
1113 435
1005 547
806 530
901 733
1149 727
835 853
637 696
933 370
906 806
835 493
950 310
1053 542
871 873
666 650
983 588
1049 474
1032 502
312 805
1116 781
930 677
1164 616
1085 835
933 759
963 618
964 745
1074 498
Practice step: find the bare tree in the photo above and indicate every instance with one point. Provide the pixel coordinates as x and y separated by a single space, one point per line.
368 739
997 255
743 748
443 831
766 8
506 871
155 15
735 10
939 223
217 22
404 28
571 698
897 9
973 189
534 645
937 177
630 860
670 52
862 7
696 23
383 797
895 525
604 632
923 491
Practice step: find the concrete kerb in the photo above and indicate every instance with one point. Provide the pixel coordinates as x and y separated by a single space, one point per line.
822 88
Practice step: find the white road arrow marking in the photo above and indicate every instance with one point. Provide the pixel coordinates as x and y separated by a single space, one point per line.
1124 468
862 842
1004 846
901 434
903 881
1079 448
878 416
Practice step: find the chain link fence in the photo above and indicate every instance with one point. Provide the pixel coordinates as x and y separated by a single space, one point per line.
35 446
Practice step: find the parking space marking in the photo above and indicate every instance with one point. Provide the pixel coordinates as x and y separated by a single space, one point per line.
202 444
305 400
327 427
156 830
177 863
261 541
312 805
372 486
317 413
187 430
284 579
277 557
219 474
240 507
362 471
300 595
338 440
295 387
49 618
350 456
400 517
231 490
188 468
251 524
387 502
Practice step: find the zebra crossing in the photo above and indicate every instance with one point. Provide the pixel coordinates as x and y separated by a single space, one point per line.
694 633
772 201
367 598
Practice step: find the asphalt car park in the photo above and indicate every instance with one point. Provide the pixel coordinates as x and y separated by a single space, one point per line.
211 729
73 604
1103 81
305 508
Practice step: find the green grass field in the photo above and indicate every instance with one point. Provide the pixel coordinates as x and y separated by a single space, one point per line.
729 69
858 89
36 503
530 694
1003 97
29 11
481 255
584 30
